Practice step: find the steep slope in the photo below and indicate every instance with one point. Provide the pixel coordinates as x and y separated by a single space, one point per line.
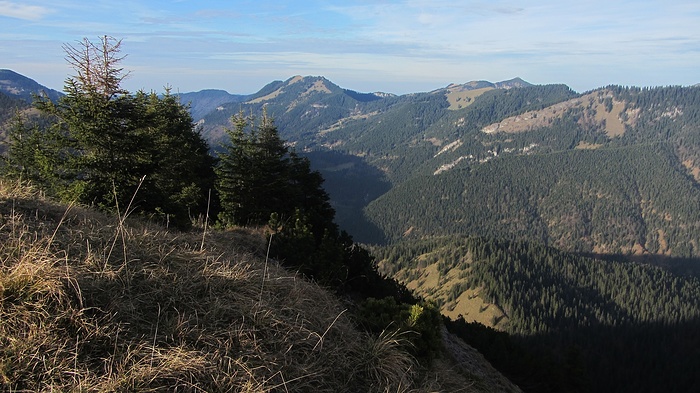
14 84
598 109
613 326
617 200
609 172
96 303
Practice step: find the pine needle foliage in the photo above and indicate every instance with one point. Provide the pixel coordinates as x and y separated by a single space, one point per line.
260 176
98 141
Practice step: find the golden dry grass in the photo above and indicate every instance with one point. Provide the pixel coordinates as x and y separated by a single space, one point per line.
432 285
594 114
88 304
460 98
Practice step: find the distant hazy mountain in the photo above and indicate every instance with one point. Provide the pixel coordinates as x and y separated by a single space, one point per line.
205 101
17 85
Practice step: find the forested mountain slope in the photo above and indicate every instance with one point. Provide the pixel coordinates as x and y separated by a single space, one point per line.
606 326
615 200
569 175
301 106
22 87
613 170
385 139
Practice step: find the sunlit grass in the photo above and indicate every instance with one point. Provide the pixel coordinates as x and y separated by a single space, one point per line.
90 302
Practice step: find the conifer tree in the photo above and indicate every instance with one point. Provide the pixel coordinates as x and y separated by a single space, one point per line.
96 128
103 143
258 176
28 158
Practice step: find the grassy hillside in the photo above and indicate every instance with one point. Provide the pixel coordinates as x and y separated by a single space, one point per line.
90 302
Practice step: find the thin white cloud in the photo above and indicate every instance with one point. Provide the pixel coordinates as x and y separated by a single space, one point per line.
403 45
23 11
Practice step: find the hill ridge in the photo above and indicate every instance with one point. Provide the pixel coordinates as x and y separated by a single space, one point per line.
18 85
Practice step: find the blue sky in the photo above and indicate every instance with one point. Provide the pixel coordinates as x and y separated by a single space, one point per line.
397 46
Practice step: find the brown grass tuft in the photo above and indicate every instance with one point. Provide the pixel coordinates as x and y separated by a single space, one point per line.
90 304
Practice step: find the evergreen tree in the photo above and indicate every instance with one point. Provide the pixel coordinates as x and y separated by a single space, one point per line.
258 176
235 175
103 143
94 146
180 169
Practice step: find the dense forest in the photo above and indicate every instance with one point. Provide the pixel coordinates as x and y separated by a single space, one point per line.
614 326
632 193
608 200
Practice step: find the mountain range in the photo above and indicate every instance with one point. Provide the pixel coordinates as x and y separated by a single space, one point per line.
570 220
507 159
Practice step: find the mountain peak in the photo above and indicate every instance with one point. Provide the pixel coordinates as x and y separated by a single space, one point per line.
296 86
515 82
306 79
294 79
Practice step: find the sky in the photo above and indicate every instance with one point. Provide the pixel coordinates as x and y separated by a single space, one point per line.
394 46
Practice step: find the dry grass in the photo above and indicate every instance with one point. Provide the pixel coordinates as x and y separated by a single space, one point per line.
433 285
594 114
88 304
459 97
